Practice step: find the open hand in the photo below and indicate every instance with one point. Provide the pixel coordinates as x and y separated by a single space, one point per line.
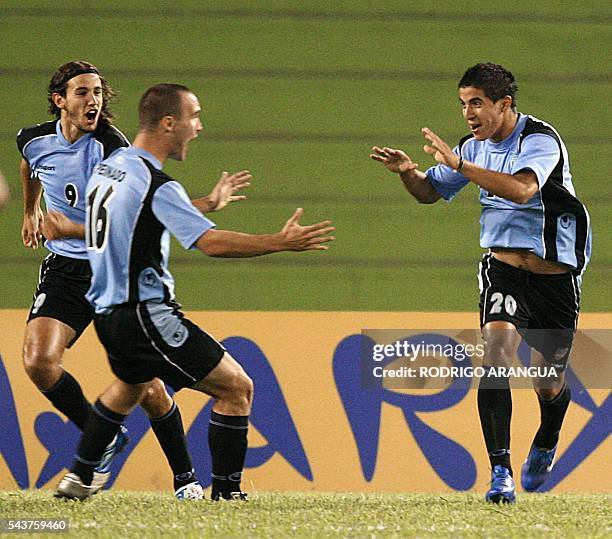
439 149
394 160
31 234
304 238
223 193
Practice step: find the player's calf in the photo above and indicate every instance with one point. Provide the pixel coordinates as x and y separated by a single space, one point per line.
229 423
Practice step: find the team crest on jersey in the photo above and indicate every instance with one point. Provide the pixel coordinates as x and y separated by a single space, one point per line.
180 335
565 220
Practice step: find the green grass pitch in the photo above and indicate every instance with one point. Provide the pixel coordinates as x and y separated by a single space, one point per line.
123 514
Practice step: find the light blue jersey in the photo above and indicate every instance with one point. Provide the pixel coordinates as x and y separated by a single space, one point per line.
132 207
64 168
554 224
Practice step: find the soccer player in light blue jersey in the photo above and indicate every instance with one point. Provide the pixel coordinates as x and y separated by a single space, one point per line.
58 159
538 238
132 208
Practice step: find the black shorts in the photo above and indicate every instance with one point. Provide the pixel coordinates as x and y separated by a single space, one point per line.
60 294
543 308
154 340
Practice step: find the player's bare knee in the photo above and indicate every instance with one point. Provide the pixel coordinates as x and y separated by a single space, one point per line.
121 397
156 401
499 357
43 367
246 389
242 390
238 393
548 391
499 351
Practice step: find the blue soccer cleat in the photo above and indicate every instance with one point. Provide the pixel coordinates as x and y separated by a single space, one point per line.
537 467
102 472
502 486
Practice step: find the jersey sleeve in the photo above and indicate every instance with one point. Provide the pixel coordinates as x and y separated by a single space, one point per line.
28 134
111 138
171 205
540 153
445 180
22 139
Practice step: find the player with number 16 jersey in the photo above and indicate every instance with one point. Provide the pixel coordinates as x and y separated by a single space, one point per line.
58 159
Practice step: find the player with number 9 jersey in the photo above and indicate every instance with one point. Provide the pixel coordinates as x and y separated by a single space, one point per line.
63 168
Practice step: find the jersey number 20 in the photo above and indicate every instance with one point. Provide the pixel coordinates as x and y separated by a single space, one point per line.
497 300
97 213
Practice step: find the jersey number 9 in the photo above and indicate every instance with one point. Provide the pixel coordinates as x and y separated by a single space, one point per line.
71 193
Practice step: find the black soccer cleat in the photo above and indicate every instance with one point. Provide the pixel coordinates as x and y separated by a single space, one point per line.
230 496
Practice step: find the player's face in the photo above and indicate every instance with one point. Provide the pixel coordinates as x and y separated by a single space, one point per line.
187 126
485 118
82 105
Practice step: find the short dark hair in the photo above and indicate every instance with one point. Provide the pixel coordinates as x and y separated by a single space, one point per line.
494 80
159 101
69 70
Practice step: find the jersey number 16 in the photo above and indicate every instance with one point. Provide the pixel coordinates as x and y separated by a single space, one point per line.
98 218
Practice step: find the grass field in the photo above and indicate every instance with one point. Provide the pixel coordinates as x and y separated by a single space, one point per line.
298 93
122 514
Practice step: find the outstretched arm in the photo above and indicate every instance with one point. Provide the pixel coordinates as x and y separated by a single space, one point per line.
519 187
223 193
415 181
292 237
32 213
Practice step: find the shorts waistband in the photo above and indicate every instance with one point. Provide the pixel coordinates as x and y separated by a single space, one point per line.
526 274
77 268
136 304
56 256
